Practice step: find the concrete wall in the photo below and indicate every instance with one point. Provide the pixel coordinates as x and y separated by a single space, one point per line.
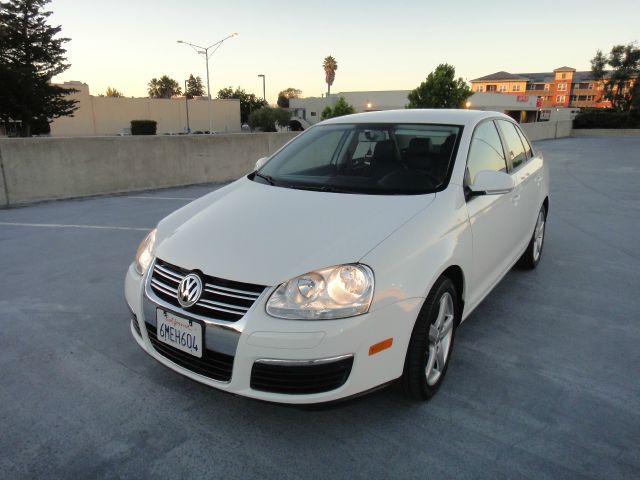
545 130
36 169
606 132
112 116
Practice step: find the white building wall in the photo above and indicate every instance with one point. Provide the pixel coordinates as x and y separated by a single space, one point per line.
310 109
99 116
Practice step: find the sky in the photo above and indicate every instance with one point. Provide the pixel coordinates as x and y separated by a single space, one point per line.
378 45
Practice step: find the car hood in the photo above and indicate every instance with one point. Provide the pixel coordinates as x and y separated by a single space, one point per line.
257 233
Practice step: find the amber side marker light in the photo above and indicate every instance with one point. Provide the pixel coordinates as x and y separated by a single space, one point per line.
380 346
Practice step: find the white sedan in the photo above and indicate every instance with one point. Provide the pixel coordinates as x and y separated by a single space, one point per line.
346 260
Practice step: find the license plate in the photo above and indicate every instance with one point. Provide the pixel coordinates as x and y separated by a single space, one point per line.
180 333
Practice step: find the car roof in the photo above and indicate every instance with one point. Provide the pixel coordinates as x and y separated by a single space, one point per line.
419 115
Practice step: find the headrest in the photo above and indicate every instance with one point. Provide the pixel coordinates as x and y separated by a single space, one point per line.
419 146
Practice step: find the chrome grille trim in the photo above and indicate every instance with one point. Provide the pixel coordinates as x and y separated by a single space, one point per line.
164 288
225 305
250 295
219 300
217 291
168 275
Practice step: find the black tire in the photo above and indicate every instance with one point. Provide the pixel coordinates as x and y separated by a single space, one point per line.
529 260
414 377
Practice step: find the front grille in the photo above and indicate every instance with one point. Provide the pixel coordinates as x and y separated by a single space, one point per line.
221 299
300 379
214 365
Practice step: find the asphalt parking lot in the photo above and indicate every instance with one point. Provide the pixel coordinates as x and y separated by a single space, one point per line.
544 380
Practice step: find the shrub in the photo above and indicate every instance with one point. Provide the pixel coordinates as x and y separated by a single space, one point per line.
143 127
341 108
266 118
606 118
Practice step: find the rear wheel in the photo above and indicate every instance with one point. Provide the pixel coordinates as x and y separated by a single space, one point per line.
531 256
431 341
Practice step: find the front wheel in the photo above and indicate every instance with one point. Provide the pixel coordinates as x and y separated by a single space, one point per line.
431 341
531 256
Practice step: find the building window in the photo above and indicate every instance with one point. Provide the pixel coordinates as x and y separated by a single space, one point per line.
480 88
563 76
560 99
516 88
503 88
573 98
546 87
591 86
589 98
313 114
562 87
491 88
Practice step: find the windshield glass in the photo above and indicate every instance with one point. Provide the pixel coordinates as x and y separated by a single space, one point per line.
396 159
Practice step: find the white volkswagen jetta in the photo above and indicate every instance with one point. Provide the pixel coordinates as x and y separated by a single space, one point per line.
346 260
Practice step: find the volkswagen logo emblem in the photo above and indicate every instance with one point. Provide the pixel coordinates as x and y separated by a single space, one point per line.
189 290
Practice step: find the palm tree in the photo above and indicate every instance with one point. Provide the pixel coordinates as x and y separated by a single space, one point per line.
165 87
330 66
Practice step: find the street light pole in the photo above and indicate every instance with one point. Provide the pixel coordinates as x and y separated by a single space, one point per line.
186 102
264 92
204 51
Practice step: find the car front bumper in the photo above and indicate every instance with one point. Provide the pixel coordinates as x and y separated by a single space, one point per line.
261 342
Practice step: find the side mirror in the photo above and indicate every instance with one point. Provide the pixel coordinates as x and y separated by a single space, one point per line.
260 163
490 182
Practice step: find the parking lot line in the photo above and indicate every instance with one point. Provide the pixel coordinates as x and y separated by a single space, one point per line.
57 225
186 199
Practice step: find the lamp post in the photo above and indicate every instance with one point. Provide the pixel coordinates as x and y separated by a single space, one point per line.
264 94
204 51
186 103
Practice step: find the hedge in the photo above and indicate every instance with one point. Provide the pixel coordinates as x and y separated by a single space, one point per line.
143 127
607 118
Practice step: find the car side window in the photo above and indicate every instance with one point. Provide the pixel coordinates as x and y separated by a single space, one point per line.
515 149
485 152
525 142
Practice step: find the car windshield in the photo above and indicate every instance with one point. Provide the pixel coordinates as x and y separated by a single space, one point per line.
380 159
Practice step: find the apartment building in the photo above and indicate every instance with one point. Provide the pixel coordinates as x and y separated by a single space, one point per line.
564 87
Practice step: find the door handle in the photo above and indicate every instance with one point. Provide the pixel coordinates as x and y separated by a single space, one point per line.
515 198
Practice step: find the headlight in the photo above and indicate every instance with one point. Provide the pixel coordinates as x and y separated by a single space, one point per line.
145 252
335 292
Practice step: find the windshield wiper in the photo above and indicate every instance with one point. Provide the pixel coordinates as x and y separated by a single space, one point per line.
314 188
268 178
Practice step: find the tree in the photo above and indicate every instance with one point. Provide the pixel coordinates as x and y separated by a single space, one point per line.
330 66
266 118
624 61
195 88
112 92
165 87
440 90
285 95
339 109
248 101
30 56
